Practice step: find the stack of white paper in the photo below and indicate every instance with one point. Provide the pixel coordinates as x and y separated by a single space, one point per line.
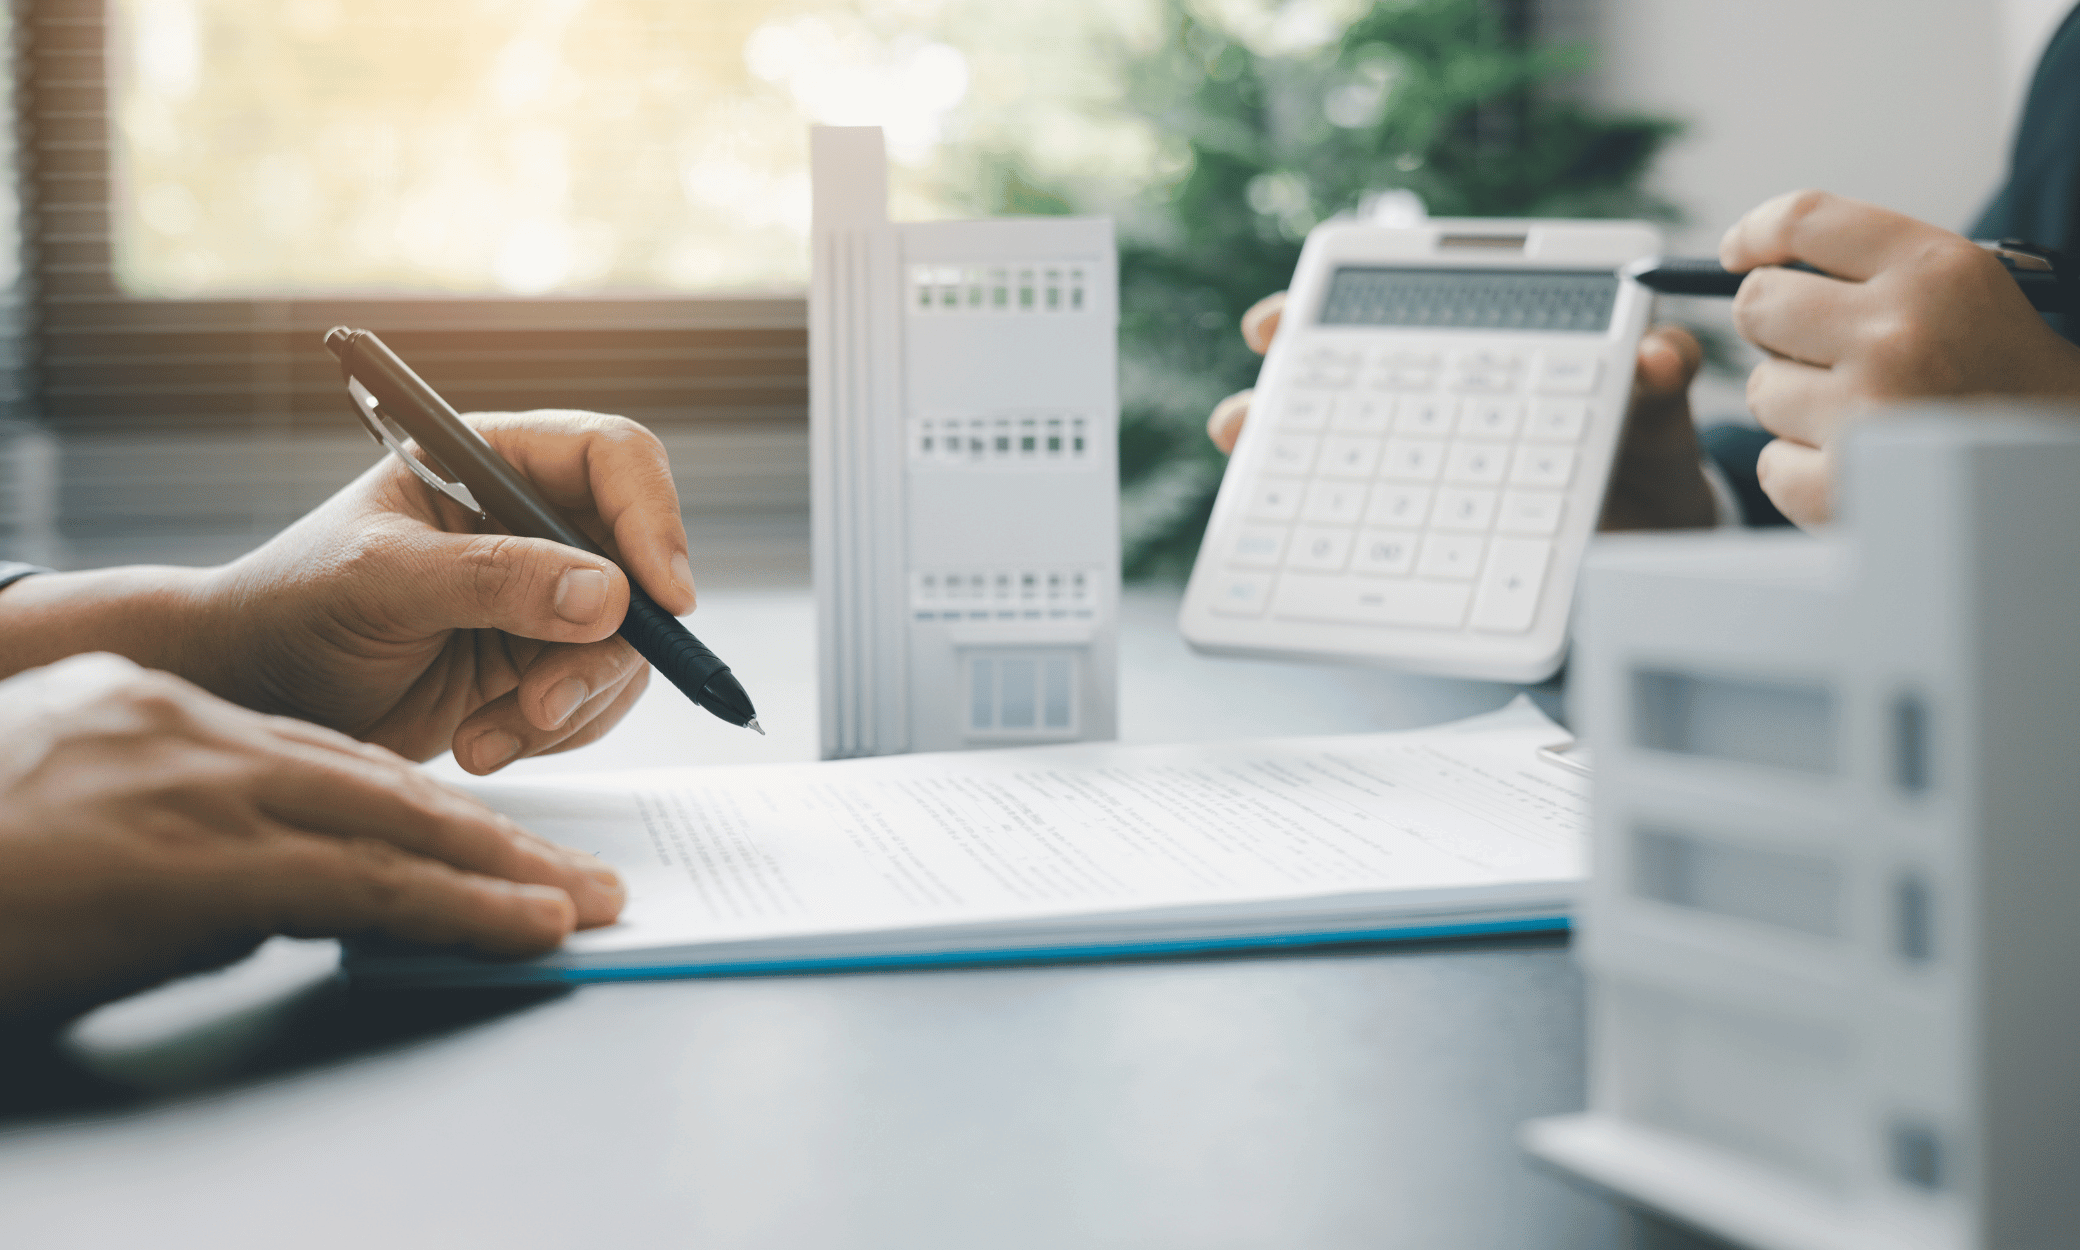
1059 852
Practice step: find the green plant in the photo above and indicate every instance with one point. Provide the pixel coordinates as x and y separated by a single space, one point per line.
1445 99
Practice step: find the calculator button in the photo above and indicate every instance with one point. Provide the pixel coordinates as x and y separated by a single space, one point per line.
1412 459
1404 379
1326 356
1334 503
1319 548
1459 508
1240 594
1492 418
1530 512
1303 412
1361 414
1405 358
1322 379
1482 382
1558 420
1293 453
1450 555
1429 415
1395 504
1567 374
1385 553
1258 546
1497 359
1372 601
1346 455
1508 598
1543 466
1276 499
1476 463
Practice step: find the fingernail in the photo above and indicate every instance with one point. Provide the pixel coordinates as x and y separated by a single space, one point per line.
682 572
493 749
550 903
563 699
606 878
580 595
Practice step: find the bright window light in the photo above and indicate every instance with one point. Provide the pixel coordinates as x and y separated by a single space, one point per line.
533 146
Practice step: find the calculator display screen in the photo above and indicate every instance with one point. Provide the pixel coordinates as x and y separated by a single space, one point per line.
1538 300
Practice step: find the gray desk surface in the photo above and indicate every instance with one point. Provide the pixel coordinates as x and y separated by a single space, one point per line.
1360 1097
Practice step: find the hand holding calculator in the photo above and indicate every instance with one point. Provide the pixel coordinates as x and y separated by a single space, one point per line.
1428 448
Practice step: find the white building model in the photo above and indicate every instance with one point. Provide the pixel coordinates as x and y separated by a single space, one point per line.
1833 933
963 417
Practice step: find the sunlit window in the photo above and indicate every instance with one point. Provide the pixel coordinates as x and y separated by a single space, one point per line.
532 146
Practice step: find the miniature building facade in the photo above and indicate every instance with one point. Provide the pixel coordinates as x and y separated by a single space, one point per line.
1834 919
963 410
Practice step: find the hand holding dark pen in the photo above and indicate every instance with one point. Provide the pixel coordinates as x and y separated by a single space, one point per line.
399 408
1899 310
395 615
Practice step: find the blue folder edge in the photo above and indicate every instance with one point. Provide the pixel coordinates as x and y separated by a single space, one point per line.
522 975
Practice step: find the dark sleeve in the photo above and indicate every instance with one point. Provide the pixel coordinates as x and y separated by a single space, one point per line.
2040 201
11 572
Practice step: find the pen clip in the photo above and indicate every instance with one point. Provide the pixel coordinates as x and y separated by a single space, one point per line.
1571 755
366 407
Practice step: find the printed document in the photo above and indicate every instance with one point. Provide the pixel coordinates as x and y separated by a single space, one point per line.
1083 849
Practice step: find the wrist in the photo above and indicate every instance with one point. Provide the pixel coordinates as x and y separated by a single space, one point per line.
154 615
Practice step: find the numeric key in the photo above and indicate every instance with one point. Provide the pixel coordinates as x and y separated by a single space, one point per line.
1426 416
1385 553
1334 503
1347 455
1459 508
1361 414
1412 459
1397 505
1479 464
1319 548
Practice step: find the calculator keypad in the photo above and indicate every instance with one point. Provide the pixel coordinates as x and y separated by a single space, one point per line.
1412 487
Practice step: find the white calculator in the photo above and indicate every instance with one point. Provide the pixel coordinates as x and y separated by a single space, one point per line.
1428 447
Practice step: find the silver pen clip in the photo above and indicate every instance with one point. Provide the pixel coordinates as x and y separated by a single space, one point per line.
386 432
1572 755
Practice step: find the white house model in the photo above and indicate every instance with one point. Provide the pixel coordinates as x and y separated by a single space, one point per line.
963 418
1833 932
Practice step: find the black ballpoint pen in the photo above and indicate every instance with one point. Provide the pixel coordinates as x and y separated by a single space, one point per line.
2040 272
384 388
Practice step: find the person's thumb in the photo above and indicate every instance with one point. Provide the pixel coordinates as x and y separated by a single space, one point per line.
1669 358
525 586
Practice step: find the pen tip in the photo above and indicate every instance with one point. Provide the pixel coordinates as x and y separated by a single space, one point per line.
753 724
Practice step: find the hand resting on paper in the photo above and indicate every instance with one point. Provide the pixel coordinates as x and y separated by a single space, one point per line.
148 828
391 614
1657 482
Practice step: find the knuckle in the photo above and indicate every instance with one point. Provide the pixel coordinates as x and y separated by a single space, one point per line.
1747 300
1803 203
1902 355
623 432
1758 387
493 564
380 871
155 701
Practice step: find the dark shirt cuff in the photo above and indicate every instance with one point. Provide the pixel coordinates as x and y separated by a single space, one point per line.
12 572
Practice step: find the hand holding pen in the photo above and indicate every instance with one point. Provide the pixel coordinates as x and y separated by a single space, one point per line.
1858 307
395 404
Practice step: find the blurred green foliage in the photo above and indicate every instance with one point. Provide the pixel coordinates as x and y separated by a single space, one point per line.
1447 99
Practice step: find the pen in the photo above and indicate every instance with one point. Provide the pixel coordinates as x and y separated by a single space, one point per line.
2035 269
385 388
